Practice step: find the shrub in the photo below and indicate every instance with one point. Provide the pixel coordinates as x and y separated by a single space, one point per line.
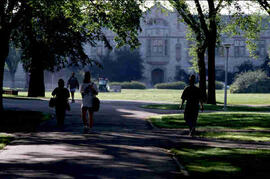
251 82
173 85
130 85
219 85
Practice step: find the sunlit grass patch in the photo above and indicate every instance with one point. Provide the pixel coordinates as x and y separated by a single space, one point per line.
254 136
210 107
4 140
217 120
223 163
165 95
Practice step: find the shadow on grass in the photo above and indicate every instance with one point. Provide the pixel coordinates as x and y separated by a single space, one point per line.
218 120
210 162
211 107
21 121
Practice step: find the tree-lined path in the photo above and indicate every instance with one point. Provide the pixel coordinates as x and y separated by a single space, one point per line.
122 145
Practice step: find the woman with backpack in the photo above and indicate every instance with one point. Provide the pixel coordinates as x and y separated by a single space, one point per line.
88 91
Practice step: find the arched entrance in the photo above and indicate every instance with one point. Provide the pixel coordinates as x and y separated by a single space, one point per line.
157 76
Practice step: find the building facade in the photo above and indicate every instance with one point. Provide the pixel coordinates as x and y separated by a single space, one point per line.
164 48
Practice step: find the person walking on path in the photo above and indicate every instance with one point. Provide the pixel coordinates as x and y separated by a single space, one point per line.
61 102
73 84
88 91
193 96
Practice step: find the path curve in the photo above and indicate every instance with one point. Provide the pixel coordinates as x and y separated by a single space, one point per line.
122 145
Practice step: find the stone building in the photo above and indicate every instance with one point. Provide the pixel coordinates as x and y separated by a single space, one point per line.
164 48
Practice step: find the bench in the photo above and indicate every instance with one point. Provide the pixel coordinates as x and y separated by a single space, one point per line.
115 88
11 92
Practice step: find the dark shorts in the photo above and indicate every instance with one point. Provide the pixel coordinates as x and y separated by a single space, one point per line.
87 109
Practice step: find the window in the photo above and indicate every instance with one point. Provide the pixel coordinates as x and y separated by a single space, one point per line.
178 52
158 47
261 48
148 47
99 51
239 48
220 51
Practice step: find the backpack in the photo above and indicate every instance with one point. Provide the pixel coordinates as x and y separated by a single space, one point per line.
96 104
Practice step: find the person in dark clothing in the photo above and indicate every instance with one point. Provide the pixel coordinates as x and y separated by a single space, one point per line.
193 96
61 103
73 84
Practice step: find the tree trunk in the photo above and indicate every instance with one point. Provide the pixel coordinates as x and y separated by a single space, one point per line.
36 84
211 73
202 73
26 85
12 75
4 46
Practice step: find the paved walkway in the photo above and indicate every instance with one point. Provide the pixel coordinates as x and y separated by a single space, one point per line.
122 145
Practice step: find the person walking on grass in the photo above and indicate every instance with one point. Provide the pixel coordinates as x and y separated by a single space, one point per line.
88 91
73 84
193 96
61 102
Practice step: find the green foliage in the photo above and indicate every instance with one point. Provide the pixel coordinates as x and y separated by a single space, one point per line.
172 85
182 76
219 85
251 82
248 26
246 66
130 85
126 65
4 140
62 28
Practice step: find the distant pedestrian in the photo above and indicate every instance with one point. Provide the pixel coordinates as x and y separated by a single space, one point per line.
193 96
61 102
88 91
73 84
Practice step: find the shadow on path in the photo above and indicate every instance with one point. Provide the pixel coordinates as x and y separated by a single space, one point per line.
122 145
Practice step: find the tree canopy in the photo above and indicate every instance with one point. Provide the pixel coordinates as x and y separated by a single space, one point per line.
55 32
125 65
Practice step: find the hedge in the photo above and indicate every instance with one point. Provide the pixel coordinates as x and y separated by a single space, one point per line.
172 85
130 85
219 85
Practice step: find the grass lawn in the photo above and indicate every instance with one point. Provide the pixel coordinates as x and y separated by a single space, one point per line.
210 162
171 96
21 121
247 126
4 140
218 107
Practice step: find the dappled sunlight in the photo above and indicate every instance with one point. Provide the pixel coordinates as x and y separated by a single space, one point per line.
104 153
135 113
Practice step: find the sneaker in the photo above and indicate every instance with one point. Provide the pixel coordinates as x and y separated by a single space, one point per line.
85 129
192 133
